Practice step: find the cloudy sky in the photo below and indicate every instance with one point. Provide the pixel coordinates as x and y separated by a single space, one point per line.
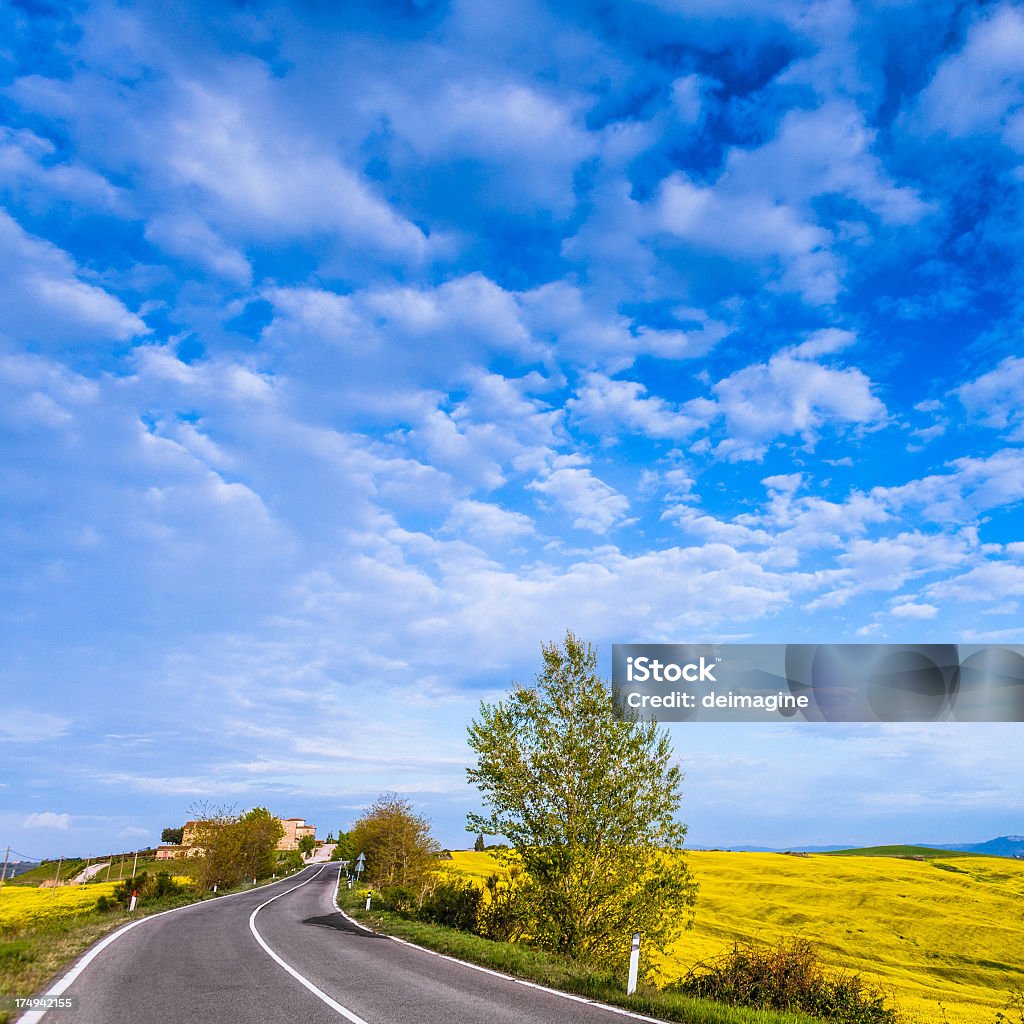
349 352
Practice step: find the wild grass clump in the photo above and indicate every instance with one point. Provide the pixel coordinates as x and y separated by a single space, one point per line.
787 976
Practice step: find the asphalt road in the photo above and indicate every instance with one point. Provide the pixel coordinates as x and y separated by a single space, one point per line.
293 959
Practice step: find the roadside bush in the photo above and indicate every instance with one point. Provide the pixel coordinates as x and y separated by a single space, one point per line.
399 899
289 860
788 976
505 913
146 885
454 902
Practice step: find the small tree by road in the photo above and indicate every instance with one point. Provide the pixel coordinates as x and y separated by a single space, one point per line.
589 803
400 851
307 844
234 846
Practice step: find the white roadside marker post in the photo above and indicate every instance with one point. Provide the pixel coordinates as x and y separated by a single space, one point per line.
634 964
368 896
134 899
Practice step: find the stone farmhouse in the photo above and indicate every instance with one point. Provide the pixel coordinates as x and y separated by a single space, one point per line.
295 829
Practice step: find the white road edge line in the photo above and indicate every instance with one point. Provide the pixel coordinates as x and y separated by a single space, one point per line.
65 981
305 982
497 974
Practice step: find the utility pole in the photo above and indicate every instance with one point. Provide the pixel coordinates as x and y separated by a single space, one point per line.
135 863
56 880
3 874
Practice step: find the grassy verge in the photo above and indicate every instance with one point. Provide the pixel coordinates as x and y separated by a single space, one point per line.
521 961
31 957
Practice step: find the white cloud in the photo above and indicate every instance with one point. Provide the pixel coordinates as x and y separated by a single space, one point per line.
28 163
992 581
914 610
973 486
22 725
486 523
267 178
595 505
47 300
48 819
981 88
606 406
760 209
997 398
789 395
752 227
530 141
188 236
563 315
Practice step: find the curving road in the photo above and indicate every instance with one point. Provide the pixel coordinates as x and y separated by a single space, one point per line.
283 953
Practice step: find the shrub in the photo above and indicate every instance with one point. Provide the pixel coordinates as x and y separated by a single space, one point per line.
454 903
505 913
399 899
146 885
289 860
788 976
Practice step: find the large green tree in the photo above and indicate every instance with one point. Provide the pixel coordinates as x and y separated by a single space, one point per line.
589 802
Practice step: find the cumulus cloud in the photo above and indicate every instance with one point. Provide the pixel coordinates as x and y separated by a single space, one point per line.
606 406
996 398
483 522
590 501
48 819
980 89
49 301
791 395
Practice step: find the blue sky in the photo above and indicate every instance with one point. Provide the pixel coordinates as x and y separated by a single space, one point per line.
347 355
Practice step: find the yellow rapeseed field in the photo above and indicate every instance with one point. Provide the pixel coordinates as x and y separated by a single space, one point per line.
23 906
927 932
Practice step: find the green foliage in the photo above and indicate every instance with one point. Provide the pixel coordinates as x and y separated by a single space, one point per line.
788 976
288 860
343 850
146 885
589 803
172 835
399 899
505 915
479 844
454 902
16 952
235 847
307 844
398 846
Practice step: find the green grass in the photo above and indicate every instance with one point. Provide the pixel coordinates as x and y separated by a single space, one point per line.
47 871
522 961
927 852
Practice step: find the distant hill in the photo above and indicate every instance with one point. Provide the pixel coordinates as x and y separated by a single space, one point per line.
1004 846
925 852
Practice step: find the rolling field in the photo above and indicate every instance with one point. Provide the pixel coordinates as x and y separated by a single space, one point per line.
25 907
944 930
